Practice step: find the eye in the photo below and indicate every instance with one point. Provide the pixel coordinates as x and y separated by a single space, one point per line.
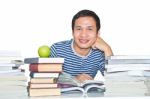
78 28
90 29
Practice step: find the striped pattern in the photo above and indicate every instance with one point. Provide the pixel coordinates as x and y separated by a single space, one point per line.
75 64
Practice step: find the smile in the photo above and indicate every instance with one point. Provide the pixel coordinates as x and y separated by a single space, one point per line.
84 41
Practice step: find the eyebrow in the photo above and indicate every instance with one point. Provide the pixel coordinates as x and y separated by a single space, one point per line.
81 26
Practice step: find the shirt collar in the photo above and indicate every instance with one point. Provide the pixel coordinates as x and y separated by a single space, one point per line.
77 53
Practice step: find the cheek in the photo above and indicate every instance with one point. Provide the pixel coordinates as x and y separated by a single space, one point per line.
75 34
93 37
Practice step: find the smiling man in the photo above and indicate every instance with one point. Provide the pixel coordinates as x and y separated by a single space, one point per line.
85 53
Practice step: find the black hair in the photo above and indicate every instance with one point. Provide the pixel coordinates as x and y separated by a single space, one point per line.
85 13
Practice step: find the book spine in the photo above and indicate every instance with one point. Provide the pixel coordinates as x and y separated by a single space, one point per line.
39 67
33 67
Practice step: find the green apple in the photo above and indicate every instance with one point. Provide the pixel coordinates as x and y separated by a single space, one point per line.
44 51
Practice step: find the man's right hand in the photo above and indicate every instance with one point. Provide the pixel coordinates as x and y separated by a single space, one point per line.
83 77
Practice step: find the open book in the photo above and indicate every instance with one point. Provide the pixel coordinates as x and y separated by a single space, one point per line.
68 83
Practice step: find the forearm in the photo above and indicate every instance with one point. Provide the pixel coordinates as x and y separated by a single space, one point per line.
108 51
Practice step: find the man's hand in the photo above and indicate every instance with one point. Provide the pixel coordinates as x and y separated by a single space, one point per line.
102 45
83 77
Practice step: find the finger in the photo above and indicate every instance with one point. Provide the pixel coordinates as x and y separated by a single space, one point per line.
87 77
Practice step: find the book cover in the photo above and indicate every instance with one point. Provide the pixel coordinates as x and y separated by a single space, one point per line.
45 67
43 60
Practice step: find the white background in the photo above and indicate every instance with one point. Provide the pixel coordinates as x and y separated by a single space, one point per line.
27 24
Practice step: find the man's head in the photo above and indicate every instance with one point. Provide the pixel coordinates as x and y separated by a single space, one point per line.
85 28
86 13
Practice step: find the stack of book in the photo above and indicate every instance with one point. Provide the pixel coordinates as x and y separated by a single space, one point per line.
10 61
44 73
124 72
11 73
147 83
11 83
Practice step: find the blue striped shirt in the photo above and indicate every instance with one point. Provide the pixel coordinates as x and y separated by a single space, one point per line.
74 63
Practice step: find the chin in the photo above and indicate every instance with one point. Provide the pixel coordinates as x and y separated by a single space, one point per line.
85 47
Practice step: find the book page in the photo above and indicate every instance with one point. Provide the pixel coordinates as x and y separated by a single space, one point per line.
94 87
90 82
66 78
72 89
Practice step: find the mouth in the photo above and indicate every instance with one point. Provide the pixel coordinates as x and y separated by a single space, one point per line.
83 41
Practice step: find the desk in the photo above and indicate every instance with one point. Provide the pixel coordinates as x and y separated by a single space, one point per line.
17 90
20 92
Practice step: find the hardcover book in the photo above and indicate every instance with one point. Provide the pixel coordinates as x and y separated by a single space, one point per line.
44 91
129 57
127 67
43 80
44 75
43 60
48 85
45 67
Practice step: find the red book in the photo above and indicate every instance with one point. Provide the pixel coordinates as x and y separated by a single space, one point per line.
43 80
45 67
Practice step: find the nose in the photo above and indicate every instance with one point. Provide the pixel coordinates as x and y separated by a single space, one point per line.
83 33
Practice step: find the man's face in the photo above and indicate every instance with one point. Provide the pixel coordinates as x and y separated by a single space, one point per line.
85 32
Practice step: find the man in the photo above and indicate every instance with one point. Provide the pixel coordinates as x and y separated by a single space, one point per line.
85 53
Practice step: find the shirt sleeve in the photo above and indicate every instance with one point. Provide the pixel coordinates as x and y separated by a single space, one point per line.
53 51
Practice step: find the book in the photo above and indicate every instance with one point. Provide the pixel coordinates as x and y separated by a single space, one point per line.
145 73
44 92
128 61
127 67
43 60
10 53
44 75
9 72
45 67
131 73
43 80
48 85
7 65
73 84
13 60
129 57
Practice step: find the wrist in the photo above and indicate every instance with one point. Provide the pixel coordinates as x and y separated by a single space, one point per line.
108 51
